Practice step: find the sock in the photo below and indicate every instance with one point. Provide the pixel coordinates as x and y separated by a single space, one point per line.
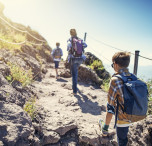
105 127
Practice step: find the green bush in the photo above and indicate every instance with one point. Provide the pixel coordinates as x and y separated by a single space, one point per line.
150 106
18 73
30 108
96 65
105 85
12 37
149 85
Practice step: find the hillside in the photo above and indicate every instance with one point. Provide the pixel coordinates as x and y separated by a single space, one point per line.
36 109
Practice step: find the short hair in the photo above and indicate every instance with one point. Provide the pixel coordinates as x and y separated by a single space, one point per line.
73 32
57 44
121 58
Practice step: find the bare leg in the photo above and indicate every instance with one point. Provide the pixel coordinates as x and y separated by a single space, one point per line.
56 72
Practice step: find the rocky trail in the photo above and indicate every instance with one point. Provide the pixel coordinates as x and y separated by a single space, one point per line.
65 113
61 119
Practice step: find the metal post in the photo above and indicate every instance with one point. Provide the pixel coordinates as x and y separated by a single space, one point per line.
85 36
136 62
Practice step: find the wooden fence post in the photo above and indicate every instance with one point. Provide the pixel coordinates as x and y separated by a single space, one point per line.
136 62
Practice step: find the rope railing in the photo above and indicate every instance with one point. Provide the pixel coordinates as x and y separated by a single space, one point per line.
23 31
20 43
34 43
100 54
117 48
35 37
107 66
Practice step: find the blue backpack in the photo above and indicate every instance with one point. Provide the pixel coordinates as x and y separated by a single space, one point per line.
57 53
135 94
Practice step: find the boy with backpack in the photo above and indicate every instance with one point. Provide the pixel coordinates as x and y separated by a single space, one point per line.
57 53
127 98
76 56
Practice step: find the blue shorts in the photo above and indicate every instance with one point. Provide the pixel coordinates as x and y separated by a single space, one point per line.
56 64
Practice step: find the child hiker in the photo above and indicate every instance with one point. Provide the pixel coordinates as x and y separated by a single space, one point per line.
57 53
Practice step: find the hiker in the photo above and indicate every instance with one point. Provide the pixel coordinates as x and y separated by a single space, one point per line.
57 53
117 103
76 56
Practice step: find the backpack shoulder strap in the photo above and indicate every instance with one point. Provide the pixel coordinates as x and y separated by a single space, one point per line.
134 77
54 51
72 44
60 51
126 78
123 78
116 113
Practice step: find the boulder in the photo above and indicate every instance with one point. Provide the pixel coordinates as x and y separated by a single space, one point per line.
4 69
50 137
87 74
15 125
102 73
29 50
141 132
45 52
65 73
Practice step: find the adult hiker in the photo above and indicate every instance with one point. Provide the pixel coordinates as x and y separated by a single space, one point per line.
57 53
76 56
122 99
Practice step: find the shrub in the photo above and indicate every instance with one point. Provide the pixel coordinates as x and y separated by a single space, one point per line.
39 59
150 106
30 108
96 65
105 85
19 74
47 52
14 38
149 85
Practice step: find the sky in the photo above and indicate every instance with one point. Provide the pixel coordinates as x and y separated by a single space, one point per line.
122 24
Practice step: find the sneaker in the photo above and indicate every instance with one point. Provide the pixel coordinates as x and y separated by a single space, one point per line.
105 132
101 124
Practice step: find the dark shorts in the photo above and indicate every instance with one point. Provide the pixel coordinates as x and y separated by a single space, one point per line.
56 64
